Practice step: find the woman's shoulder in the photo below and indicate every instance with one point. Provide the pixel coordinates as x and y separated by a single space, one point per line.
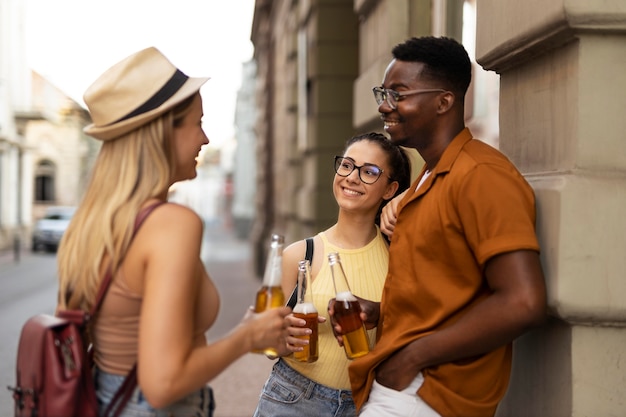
298 248
166 207
295 247
293 253
172 216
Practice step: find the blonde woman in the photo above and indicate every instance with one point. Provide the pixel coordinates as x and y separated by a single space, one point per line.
161 301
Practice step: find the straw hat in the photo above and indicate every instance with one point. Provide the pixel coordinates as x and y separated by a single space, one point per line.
135 91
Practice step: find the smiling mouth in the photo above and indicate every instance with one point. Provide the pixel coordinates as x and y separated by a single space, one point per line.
351 192
390 123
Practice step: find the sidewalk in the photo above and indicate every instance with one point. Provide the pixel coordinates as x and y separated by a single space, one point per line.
7 256
228 262
8 261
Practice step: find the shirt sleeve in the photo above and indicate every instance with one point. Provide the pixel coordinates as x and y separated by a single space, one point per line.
497 209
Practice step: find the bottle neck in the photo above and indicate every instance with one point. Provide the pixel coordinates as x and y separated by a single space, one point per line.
301 286
304 284
339 277
273 269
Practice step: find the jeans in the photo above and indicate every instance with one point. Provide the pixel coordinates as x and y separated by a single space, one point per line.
197 404
288 393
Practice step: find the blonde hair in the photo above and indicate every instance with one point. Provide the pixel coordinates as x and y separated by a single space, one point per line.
129 171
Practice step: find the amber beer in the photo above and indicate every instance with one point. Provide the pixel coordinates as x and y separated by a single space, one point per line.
347 311
347 315
270 295
308 313
266 298
305 309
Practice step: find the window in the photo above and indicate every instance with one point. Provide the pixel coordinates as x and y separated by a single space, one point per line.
44 181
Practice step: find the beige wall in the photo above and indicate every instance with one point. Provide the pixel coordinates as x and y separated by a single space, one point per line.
307 59
562 123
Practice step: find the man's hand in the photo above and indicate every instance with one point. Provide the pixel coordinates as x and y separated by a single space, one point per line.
396 372
389 215
370 314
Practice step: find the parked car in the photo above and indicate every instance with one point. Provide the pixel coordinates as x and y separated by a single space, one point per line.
49 230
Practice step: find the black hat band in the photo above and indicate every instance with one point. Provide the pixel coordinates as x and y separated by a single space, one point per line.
165 93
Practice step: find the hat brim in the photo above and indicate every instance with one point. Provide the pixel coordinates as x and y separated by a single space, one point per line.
114 130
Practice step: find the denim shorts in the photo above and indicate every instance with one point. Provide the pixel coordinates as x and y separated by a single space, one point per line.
288 393
197 404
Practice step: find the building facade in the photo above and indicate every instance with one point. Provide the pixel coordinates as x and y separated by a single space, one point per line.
546 90
307 61
244 158
14 97
45 157
59 155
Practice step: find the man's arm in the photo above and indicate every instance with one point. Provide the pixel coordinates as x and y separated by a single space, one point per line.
518 303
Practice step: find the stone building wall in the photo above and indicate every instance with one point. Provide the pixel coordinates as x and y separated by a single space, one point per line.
547 90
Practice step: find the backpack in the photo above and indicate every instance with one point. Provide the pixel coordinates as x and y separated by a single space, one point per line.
54 368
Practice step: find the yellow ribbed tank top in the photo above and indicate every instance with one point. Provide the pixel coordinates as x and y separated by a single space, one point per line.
366 269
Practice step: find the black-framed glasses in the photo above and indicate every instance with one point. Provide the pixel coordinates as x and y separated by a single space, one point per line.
392 97
368 173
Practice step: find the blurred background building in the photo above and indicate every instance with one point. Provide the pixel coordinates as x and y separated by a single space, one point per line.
44 155
546 90
14 87
244 159
58 154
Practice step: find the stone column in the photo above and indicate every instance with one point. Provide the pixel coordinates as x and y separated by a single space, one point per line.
563 123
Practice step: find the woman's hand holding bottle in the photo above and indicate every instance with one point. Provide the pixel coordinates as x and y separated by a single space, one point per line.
267 329
295 330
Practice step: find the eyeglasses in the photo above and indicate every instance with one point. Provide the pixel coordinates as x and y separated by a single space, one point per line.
368 173
392 97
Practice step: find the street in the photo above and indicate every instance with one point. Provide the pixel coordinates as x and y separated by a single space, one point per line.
29 287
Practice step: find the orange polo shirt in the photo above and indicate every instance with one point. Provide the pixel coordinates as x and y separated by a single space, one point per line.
474 205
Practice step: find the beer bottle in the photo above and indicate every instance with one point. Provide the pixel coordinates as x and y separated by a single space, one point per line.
270 295
304 309
347 311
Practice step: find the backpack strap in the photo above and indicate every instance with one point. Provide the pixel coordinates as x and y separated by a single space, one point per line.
308 255
106 282
309 250
122 395
124 392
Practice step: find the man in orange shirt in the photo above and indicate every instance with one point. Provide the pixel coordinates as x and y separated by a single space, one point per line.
464 275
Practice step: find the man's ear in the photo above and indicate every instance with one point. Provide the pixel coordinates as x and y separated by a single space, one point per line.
446 101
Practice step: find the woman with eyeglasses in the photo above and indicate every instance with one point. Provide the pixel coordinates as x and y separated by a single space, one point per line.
370 172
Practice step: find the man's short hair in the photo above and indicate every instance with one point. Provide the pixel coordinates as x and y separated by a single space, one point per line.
445 60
